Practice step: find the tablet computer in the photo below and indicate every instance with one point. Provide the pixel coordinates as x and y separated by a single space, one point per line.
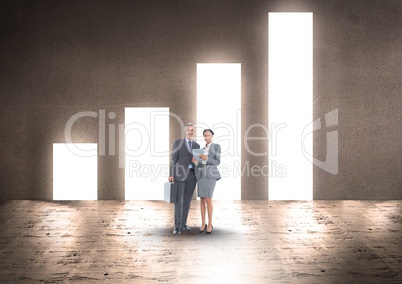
196 154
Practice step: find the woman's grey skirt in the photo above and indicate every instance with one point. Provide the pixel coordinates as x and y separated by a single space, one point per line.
206 187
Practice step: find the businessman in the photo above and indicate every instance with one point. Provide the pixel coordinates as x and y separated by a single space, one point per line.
182 174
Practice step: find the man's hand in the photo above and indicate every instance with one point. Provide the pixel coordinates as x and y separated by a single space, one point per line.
171 179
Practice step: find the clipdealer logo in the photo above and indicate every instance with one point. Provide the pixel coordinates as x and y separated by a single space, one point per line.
330 164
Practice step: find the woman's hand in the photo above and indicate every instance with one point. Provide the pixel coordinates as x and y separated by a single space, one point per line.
194 160
204 157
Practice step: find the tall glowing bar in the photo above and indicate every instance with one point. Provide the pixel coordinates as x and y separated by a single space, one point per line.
290 93
219 108
146 152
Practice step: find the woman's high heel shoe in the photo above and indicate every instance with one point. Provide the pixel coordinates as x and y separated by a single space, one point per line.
208 233
202 231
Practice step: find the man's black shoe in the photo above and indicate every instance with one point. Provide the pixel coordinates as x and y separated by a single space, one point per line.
185 228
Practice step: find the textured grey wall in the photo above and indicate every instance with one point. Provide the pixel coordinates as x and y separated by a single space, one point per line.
62 57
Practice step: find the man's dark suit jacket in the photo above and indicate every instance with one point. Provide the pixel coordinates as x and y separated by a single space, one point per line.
181 159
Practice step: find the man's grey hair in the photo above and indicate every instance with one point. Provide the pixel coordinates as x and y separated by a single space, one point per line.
188 124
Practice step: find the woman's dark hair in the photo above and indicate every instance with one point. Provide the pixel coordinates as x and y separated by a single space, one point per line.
210 130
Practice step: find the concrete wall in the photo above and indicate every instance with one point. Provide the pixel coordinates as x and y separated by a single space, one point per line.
62 57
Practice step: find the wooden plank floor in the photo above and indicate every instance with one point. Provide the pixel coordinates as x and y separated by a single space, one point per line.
252 242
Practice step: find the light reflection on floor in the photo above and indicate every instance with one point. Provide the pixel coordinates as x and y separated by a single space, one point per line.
257 241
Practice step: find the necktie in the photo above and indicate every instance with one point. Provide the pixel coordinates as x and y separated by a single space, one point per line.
189 145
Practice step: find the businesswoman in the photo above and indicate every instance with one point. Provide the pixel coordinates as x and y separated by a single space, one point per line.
207 175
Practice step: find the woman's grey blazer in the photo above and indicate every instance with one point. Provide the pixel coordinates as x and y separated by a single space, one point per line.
210 169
